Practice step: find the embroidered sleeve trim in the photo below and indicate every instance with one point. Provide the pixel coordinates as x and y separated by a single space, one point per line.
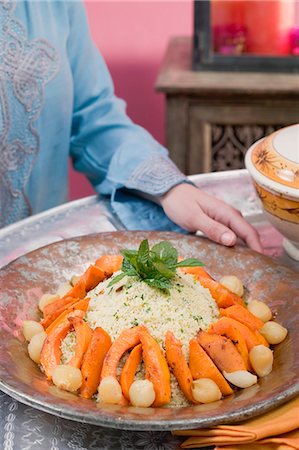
155 176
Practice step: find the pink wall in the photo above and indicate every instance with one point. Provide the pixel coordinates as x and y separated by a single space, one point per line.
133 36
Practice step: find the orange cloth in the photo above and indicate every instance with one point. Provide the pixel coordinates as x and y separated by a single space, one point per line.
275 430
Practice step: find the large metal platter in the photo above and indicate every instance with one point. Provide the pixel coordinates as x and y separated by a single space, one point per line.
24 280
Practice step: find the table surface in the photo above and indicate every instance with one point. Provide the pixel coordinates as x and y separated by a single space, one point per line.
25 428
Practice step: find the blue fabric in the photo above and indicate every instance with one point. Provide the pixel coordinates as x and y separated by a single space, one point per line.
141 214
57 99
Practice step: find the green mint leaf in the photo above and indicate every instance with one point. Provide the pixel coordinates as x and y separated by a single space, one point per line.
116 279
165 252
131 273
159 283
190 262
156 266
143 258
129 263
130 257
161 268
128 253
143 252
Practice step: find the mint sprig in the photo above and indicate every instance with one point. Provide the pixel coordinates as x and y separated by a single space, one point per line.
155 266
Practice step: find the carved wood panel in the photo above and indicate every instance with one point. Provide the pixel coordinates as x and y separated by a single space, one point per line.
229 143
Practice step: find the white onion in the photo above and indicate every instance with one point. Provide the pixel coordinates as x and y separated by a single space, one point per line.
241 378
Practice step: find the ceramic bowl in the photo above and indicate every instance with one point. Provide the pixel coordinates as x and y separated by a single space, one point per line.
273 163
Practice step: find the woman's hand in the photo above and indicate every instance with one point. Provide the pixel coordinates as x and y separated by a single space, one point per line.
194 210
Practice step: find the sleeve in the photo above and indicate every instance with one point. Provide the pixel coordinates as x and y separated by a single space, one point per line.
106 145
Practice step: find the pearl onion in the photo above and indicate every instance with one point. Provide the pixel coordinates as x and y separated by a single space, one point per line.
63 289
142 393
241 378
109 390
35 346
46 299
66 377
74 279
261 359
260 310
30 328
233 283
205 390
273 332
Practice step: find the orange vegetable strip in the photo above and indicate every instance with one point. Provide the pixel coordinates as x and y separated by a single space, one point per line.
178 364
92 277
93 362
238 340
126 340
89 280
156 368
220 294
109 264
123 402
83 338
77 291
201 366
222 351
244 316
223 324
198 271
51 351
54 309
78 304
129 370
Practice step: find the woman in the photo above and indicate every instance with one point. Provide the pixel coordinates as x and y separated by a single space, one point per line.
56 100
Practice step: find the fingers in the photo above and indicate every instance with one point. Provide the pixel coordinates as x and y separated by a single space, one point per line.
230 217
194 210
247 232
214 230
234 220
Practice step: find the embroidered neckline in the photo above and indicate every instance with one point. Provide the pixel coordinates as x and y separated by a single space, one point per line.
26 67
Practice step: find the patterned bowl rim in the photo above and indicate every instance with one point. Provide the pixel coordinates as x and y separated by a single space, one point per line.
267 183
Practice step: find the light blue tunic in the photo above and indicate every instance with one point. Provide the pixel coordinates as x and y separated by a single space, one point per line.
56 100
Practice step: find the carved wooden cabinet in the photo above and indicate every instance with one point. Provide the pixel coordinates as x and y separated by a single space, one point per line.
213 117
